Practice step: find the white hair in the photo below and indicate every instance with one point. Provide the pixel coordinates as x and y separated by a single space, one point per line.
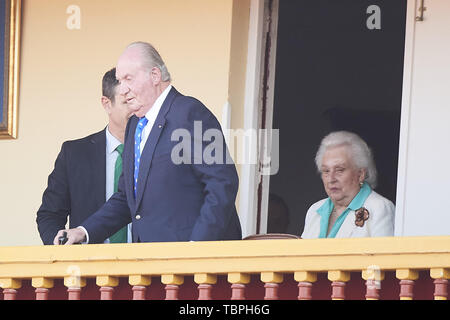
152 58
360 153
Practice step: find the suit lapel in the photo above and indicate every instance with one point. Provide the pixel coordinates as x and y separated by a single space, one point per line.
129 159
150 145
97 151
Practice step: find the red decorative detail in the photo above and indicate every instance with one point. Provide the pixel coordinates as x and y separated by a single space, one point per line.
271 291
304 290
41 294
440 288
172 292
361 215
106 293
372 289
9 294
238 291
204 291
406 289
74 293
139 292
338 290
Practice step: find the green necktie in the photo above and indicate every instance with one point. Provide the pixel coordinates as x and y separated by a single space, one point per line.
121 235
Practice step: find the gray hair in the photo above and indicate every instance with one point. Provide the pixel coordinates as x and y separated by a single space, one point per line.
152 58
360 153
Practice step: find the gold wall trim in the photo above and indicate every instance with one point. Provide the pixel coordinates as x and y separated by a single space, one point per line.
8 127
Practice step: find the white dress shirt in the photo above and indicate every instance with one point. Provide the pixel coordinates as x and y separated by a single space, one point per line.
111 156
152 114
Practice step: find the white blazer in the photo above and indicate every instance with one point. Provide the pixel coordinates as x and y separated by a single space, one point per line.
379 224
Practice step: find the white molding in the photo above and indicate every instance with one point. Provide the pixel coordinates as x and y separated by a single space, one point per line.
226 121
226 116
266 144
405 117
248 196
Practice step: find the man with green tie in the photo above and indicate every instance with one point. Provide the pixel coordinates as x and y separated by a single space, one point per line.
87 171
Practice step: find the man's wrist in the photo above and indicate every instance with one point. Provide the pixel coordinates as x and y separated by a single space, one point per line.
86 235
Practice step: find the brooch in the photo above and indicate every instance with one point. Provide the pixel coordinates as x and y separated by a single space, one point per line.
361 215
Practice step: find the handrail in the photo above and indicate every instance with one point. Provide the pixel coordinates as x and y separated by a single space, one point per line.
205 260
249 256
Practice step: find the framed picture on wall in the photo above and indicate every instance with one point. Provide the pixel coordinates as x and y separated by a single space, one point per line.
10 14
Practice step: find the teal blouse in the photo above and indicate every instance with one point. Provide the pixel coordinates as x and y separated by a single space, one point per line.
325 211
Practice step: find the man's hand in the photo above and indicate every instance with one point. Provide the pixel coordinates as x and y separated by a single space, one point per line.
76 235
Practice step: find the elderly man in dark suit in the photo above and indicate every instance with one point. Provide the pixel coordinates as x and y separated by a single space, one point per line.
84 172
166 199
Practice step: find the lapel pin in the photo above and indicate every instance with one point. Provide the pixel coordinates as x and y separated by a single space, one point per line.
361 215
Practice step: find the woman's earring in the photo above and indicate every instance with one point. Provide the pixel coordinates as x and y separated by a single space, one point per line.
361 184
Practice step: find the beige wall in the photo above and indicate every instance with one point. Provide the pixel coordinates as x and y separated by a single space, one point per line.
60 80
238 65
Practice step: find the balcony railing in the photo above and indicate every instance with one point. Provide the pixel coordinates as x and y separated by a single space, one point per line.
366 268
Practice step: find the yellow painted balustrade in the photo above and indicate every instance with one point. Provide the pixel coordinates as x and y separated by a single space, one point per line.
269 259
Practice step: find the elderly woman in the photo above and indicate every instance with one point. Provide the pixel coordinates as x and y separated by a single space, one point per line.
353 209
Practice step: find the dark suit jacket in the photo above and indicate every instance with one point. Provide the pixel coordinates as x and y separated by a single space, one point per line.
76 186
174 202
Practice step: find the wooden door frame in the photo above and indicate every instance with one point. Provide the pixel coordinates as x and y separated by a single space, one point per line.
411 13
258 113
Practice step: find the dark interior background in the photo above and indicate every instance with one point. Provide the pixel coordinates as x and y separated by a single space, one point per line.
333 73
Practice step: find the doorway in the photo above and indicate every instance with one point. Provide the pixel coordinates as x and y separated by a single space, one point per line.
337 68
